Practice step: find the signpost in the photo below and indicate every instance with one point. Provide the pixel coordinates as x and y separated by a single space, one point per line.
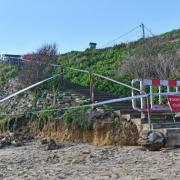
174 101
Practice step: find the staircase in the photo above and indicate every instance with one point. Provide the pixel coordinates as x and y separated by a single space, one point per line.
125 107
163 122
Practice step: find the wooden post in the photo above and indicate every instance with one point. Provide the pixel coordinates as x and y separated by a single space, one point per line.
91 87
62 79
143 30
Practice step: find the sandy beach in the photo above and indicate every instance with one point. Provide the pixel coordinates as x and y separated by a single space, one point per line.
85 161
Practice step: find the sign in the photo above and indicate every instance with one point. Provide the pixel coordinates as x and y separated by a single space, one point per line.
174 102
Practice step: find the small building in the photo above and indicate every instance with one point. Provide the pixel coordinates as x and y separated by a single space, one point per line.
92 45
11 57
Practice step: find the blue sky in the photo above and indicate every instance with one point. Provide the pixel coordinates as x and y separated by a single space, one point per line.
72 24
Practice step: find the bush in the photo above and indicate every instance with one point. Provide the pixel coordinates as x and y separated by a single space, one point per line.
153 60
38 66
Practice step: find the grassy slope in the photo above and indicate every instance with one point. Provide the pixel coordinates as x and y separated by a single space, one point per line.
107 61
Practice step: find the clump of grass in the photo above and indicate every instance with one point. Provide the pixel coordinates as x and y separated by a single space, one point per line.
8 123
77 117
7 71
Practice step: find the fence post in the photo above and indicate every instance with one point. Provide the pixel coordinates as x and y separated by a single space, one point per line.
62 79
143 115
148 112
91 78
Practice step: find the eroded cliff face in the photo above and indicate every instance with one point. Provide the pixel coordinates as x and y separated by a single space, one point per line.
101 133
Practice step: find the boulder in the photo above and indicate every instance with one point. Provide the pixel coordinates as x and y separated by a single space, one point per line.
100 113
44 141
152 140
52 145
17 143
6 141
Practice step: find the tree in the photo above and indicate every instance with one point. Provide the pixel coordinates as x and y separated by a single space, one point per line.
37 65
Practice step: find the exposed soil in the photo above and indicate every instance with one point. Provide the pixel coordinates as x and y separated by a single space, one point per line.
102 133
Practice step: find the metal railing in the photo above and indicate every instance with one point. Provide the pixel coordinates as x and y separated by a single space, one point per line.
164 87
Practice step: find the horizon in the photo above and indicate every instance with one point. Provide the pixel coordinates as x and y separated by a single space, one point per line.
73 25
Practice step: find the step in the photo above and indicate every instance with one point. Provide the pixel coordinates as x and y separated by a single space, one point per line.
165 125
173 137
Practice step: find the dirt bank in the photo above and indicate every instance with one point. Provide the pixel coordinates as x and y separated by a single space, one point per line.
101 133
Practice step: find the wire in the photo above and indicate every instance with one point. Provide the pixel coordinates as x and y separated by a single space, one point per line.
149 31
125 34
131 37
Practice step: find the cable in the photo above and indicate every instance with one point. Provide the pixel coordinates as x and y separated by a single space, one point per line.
149 31
125 34
134 35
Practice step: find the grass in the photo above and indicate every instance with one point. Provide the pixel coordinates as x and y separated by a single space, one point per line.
7 71
77 118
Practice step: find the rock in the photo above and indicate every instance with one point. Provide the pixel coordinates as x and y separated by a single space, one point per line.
117 113
11 138
2 145
156 137
152 140
86 152
67 99
44 141
6 141
17 143
1 137
100 113
52 145
53 158
11 134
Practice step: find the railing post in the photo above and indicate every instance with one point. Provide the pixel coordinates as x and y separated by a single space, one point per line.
160 98
62 79
91 78
142 91
148 112
151 96
143 115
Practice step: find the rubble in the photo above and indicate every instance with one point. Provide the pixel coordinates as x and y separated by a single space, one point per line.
10 139
26 101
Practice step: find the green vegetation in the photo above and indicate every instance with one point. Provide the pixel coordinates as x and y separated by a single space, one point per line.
8 123
77 117
109 61
103 62
7 71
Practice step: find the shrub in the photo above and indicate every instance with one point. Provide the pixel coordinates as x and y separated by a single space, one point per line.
38 67
153 60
